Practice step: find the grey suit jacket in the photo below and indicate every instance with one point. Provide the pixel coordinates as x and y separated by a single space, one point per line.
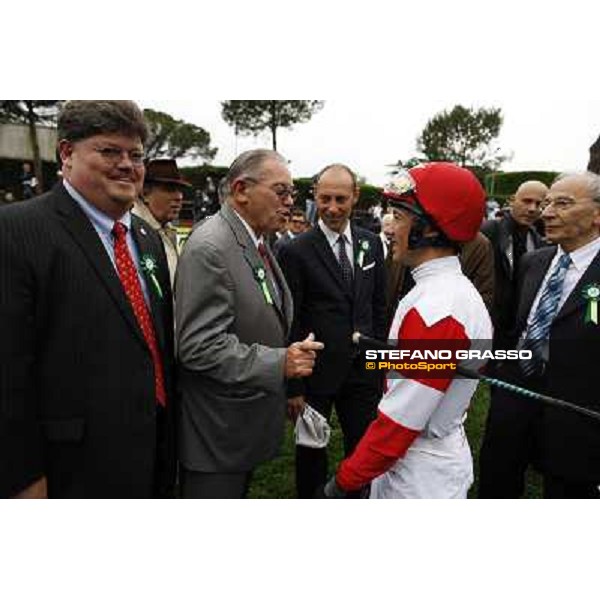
231 346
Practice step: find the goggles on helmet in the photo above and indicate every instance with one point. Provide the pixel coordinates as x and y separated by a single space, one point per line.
401 193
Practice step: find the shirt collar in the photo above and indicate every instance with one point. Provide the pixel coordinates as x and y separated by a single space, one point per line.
99 219
582 257
435 266
142 210
332 236
255 240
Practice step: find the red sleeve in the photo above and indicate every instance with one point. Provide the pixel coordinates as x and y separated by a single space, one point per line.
382 445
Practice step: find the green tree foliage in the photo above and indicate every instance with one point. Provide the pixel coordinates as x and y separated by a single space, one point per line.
31 113
409 163
250 117
502 186
464 136
173 138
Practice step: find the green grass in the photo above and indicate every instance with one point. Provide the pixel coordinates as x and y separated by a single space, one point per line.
275 479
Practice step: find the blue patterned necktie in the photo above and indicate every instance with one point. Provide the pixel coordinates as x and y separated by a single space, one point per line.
537 333
343 260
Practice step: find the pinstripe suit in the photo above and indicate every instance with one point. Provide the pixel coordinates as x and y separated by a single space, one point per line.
77 399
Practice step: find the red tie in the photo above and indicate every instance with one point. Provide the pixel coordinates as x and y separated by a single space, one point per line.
131 284
265 256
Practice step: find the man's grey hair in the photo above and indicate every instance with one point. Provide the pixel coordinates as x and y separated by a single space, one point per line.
592 181
248 165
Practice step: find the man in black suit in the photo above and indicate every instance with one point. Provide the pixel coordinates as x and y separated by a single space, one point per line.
337 279
86 321
511 237
557 319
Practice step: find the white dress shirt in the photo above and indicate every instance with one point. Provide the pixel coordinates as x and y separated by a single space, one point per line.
581 259
332 238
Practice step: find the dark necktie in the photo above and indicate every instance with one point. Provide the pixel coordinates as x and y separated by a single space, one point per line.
131 284
343 260
262 250
536 335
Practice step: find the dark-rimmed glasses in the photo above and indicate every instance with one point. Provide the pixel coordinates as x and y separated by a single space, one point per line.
560 204
281 190
113 155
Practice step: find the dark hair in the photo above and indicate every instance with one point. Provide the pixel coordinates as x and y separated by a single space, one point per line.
348 170
298 212
81 119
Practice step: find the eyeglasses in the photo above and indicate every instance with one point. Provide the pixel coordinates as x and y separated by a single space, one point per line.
298 221
113 155
559 204
282 190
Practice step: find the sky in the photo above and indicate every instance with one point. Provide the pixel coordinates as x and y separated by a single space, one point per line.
383 69
368 134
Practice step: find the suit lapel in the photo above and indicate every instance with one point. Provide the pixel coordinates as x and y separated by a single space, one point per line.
357 240
255 263
325 253
576 300
284 296
531 285
146 248
506 250
86 237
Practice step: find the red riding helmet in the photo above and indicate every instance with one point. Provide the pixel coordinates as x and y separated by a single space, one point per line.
448 196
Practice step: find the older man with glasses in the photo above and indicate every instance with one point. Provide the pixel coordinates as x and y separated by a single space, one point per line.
558 321
233 315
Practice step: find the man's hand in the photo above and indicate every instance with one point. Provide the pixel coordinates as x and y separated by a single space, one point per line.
300 357
331 490
38 489
295 407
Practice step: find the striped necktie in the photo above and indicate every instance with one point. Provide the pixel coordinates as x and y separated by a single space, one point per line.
537 333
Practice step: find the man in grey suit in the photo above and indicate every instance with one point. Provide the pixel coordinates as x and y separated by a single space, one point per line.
233 315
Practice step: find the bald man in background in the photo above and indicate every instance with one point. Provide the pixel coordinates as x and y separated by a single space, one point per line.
511 237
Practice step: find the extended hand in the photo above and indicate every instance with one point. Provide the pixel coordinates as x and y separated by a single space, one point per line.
300 357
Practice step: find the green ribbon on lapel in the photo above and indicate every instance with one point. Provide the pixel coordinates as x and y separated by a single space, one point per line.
591 293
261 277
363 248
149 266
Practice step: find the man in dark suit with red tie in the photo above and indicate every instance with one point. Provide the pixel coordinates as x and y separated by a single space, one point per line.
86 321
557 320
337 279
